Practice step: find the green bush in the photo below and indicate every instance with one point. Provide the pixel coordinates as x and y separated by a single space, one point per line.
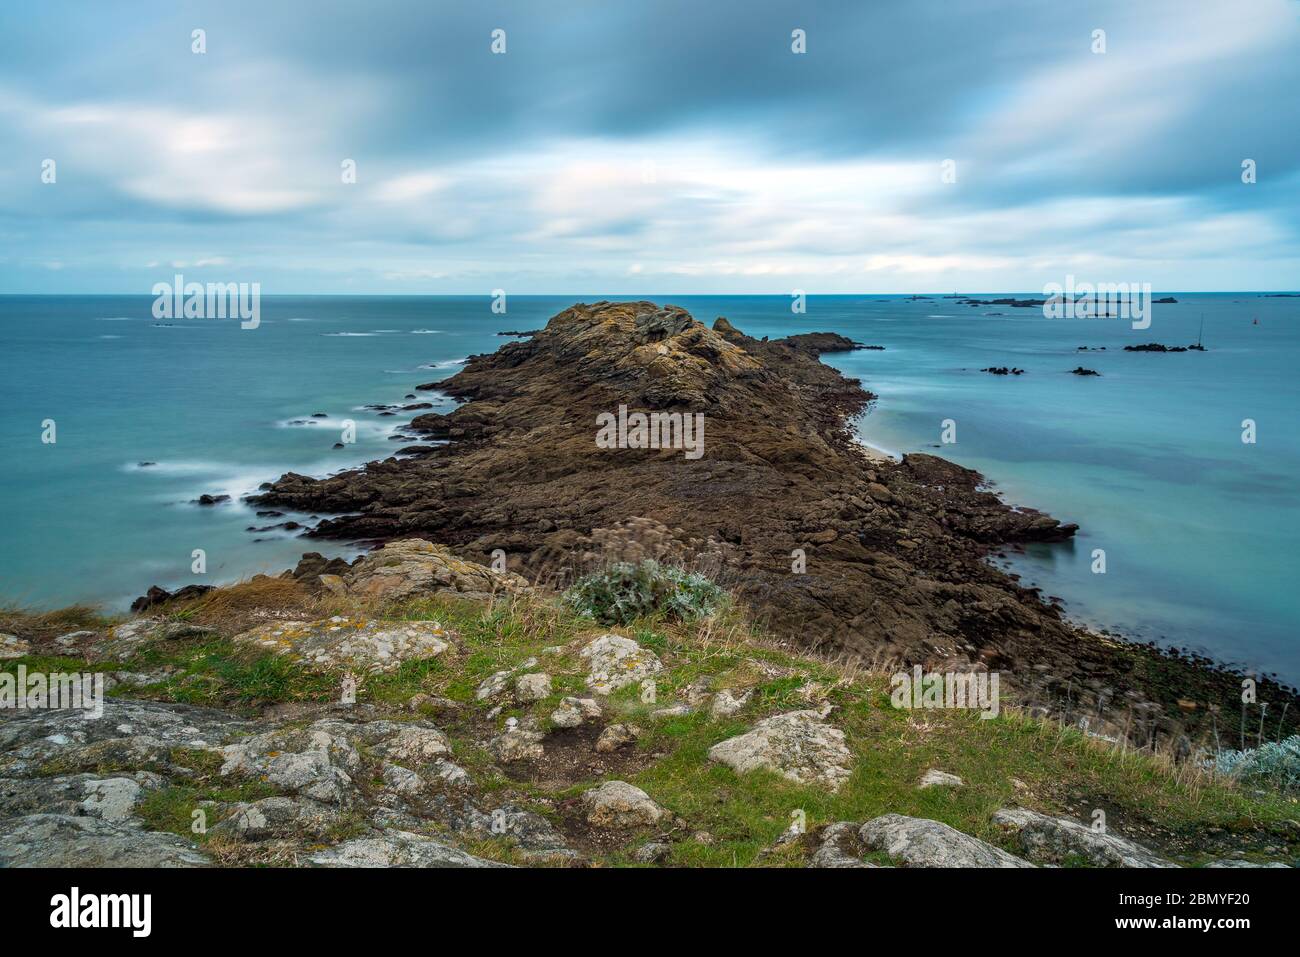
1275 764
624 592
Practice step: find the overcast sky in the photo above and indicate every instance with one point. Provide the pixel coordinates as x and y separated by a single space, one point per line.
649 147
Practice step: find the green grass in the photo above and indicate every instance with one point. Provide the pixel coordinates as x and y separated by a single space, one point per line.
1009 760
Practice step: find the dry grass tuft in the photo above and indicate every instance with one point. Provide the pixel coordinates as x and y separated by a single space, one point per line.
46 625
236 608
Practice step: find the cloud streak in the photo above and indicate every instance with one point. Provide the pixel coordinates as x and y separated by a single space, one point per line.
666 147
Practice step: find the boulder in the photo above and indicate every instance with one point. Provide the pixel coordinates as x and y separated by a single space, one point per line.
797 745
11 646
840 847
939 779
532 687
726 703
917 842
1055 840
413 568
517 743
617 804
616 736
573 712
614 662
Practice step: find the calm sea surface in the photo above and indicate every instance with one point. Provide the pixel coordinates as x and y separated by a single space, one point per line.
1197 527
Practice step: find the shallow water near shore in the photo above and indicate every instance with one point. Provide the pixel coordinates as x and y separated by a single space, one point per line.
1147 458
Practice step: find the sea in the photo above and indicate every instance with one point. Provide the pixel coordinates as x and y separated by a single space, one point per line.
1179 468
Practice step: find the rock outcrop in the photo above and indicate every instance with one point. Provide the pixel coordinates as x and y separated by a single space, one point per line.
1058 840
917 842
895 552
797 745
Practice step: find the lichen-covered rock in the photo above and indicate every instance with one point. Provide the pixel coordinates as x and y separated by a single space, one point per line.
60 840
397 849
111 798
840 847
573 712
616 736
531 833
532 687
939 779
652 852
615 662
499 681
277 817
11 646
409 744
617 804
315 762
147 735
517 743
797 745
726 703
414 568
1054 840
351 644
127 639
917 842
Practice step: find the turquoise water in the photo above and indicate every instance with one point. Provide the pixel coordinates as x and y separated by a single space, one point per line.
1148 458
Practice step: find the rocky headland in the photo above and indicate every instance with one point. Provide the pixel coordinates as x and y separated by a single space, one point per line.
838 549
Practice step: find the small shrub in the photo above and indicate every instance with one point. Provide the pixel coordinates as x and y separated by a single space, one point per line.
624 592
1275 764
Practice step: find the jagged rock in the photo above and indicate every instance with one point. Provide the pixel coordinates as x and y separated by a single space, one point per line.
616 736
1235 862
397 849
133 734
573 712
127 639
402 780
517 743
796 745
940 779
11 646
111 798
1053 840
60 840
316 762
532 687
652 852
406 743
672 711
840 847
498 682
277 817
917 842
351 644
530 833
725 703
615 662
415 568
617 804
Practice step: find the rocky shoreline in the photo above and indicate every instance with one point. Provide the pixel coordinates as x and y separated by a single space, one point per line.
844 554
